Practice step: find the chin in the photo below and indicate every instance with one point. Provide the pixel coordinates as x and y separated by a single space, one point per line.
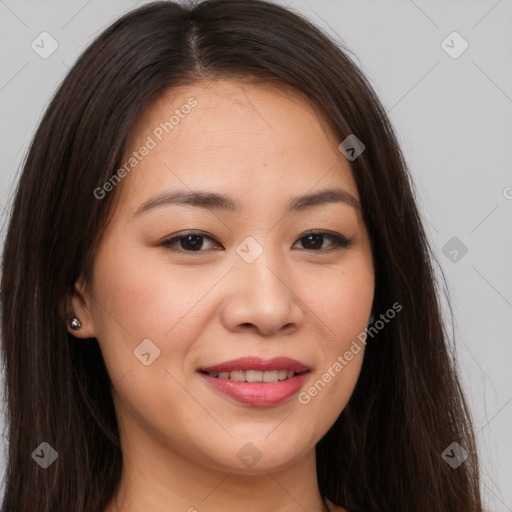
260 454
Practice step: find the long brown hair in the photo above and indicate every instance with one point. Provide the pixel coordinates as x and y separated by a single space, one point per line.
384 450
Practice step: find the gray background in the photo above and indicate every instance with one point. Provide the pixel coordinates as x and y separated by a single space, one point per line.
453 117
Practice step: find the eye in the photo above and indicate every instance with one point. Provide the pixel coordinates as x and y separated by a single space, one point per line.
194 242
188 242
315 239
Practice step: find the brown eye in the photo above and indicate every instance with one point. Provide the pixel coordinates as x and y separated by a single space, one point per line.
315 239
187 242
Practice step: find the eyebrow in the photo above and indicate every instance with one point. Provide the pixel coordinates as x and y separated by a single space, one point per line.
211 200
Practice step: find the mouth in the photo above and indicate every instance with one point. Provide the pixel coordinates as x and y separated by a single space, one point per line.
257 382
269 376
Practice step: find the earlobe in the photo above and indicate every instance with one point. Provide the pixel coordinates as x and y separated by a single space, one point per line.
79 320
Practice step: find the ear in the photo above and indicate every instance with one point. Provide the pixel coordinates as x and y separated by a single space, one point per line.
79 306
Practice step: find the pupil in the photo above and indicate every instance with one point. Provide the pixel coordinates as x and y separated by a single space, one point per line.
194 245
319 237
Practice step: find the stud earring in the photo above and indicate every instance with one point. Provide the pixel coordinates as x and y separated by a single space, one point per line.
74 323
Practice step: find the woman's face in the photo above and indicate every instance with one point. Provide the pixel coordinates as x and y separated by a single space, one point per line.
250 284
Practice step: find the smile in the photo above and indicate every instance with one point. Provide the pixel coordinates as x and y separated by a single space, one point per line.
257 382
255 375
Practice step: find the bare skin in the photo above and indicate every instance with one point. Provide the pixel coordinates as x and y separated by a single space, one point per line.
307 300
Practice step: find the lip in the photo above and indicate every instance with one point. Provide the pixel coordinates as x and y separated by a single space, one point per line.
257 363
257 394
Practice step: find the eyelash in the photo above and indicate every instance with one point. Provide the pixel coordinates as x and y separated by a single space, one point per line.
340 242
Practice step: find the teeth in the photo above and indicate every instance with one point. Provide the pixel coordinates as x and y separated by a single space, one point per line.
271 376
238 376
255 375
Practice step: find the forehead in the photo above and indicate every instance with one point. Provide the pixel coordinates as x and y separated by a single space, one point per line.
235 137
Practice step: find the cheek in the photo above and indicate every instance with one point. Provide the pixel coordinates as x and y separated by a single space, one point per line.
138 301
140 298
343 306
340 297
342 301
142 294
327 394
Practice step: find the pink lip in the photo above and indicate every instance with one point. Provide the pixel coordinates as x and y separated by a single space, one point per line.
256 363
257 394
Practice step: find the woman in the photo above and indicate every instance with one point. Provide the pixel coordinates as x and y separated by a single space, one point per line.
217 291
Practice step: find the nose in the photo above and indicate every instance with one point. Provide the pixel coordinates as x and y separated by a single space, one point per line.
262 298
